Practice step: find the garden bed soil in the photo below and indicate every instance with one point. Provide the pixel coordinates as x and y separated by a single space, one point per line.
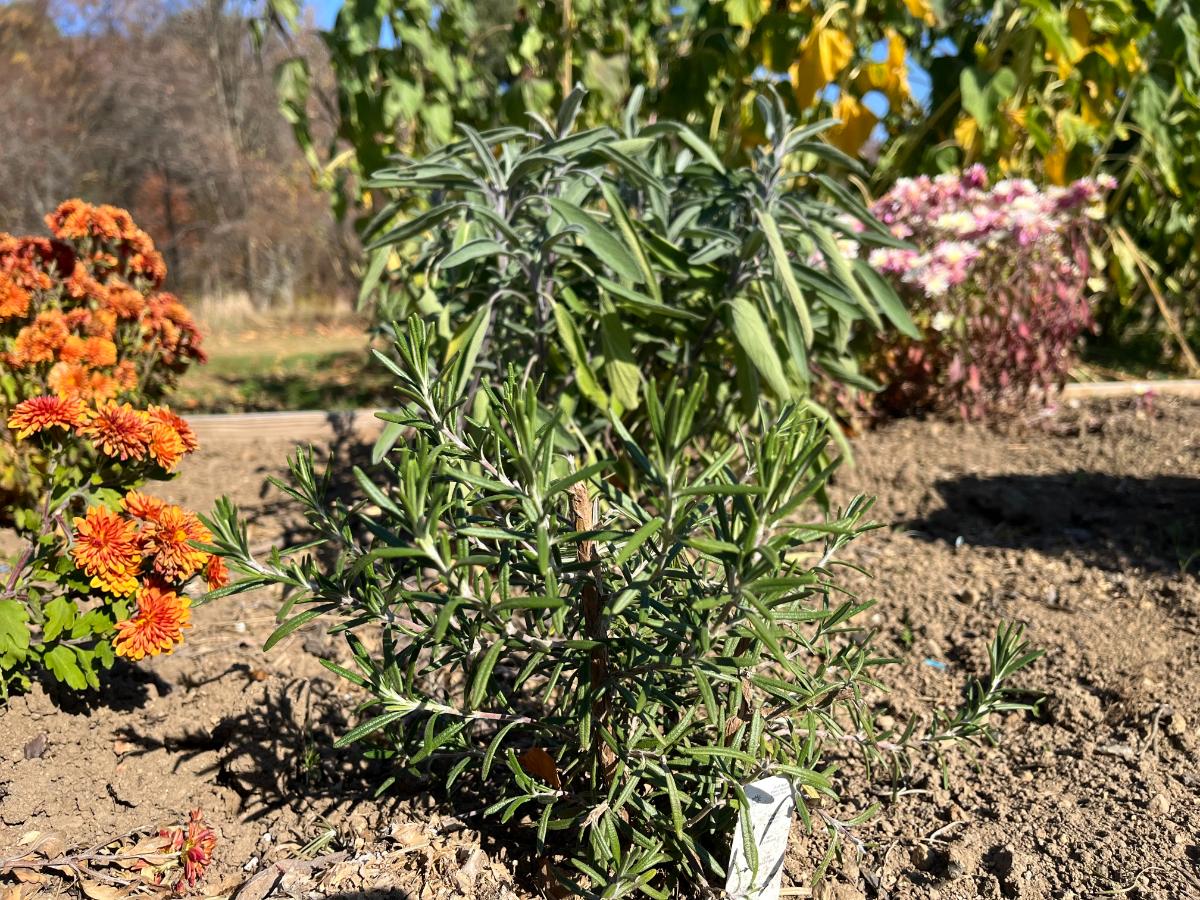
1084 526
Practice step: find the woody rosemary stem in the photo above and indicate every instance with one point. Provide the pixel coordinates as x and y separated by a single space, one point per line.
593 620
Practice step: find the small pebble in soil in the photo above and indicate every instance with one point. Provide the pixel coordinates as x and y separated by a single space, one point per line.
1160 804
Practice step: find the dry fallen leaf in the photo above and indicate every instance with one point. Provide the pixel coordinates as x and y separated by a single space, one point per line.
409 834
98 890
44 843
540 764
29 876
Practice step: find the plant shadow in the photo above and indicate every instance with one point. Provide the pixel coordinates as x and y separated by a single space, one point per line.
278 752
1111 522
123 688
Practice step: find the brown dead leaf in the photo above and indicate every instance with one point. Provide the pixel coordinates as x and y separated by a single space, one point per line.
98 890
540 764
12 892
149 849
409 834
29 876
48 844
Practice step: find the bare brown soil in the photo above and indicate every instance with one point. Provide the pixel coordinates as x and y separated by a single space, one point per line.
1083 527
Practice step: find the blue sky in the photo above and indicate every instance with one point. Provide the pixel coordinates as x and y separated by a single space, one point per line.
325 11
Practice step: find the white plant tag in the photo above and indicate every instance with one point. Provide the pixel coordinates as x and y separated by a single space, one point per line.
771 807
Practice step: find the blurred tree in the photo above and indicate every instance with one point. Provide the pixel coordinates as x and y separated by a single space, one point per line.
158 107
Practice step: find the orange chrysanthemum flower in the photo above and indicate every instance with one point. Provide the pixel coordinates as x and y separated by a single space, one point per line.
148 264
216 573
102 323
162 415
106 548
81 285
143 506
119 431
41 340
14 299
166 538
125 375
158 626
100 351
124 301
73 350
39 413
102 387
166 446
68 380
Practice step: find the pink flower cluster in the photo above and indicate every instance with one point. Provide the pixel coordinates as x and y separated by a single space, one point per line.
955 220
996 279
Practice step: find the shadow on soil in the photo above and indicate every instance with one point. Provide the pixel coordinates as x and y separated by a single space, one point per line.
279 750
1110 522
124 688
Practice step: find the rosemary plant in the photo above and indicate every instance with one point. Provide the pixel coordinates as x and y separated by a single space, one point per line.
607 661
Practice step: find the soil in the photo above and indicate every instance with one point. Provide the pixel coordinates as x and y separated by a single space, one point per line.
1083 526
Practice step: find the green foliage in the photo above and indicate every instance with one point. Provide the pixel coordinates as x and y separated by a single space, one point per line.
49 618
1053 90
404 77
607 661
599 259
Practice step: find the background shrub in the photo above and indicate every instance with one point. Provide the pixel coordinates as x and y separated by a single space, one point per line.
600 260
607 663
998 284
1051 90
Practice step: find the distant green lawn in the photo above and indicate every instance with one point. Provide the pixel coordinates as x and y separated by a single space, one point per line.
284 371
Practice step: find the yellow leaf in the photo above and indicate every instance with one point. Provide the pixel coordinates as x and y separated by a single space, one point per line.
1055 163
921 9
966 133
857 124
825 52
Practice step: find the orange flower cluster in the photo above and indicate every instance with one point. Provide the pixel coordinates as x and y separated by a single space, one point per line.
109 234
118 431
146 552
82 315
